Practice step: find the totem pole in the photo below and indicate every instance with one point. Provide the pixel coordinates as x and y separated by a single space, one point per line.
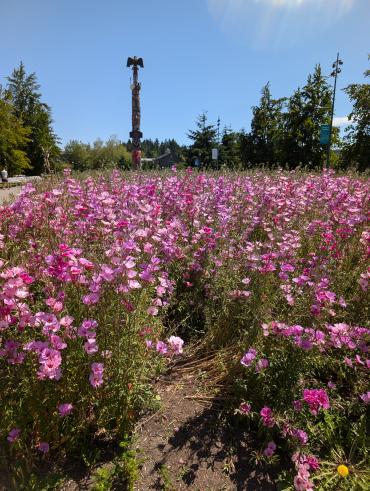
135 134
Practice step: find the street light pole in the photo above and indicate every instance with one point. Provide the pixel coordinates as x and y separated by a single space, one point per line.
334 74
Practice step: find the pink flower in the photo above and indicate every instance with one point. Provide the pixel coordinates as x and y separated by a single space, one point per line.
90 299
43 447
316 399
13 435
90 346
266 415
365 397
96 375
248 357
313 462
175 344
50 361
245 408
65 409
300 435
270 449
152 311
262 364
161 347
57 342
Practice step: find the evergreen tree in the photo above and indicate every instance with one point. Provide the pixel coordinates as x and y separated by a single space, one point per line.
13 137
230 149
204 139
356 149
266 126
36 115
308 109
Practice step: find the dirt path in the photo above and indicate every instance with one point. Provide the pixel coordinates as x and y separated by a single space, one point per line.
187 445
9 194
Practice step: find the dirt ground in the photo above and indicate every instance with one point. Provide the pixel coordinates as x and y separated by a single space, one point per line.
188 445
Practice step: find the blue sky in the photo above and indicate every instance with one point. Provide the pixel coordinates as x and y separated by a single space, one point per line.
199 55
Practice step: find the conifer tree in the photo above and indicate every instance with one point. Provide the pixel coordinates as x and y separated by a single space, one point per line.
34 114
204 139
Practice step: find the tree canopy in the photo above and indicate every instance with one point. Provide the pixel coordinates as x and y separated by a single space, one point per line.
13 137
356 150
34 114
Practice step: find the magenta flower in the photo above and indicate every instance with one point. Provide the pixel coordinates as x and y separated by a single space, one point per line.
65 409
245 408
316 399
266 415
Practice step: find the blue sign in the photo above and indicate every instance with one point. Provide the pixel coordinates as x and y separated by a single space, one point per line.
324 134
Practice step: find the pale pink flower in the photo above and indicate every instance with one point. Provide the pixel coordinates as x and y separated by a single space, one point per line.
176 344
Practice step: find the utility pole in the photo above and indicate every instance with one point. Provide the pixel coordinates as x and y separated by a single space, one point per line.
334 74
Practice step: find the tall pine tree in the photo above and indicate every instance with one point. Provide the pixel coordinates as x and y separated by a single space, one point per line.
42 145
204 139
263 141
308 109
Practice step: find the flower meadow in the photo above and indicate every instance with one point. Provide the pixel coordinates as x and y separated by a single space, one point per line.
102 278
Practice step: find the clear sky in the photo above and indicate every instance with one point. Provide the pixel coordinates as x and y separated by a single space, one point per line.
199 55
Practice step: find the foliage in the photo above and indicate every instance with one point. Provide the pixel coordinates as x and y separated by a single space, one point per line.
36 115
13 137
356 149
230 149
122 471
204 139
266 130
99 155
155 148
286 131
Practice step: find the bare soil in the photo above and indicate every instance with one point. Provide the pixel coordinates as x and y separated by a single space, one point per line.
189 444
